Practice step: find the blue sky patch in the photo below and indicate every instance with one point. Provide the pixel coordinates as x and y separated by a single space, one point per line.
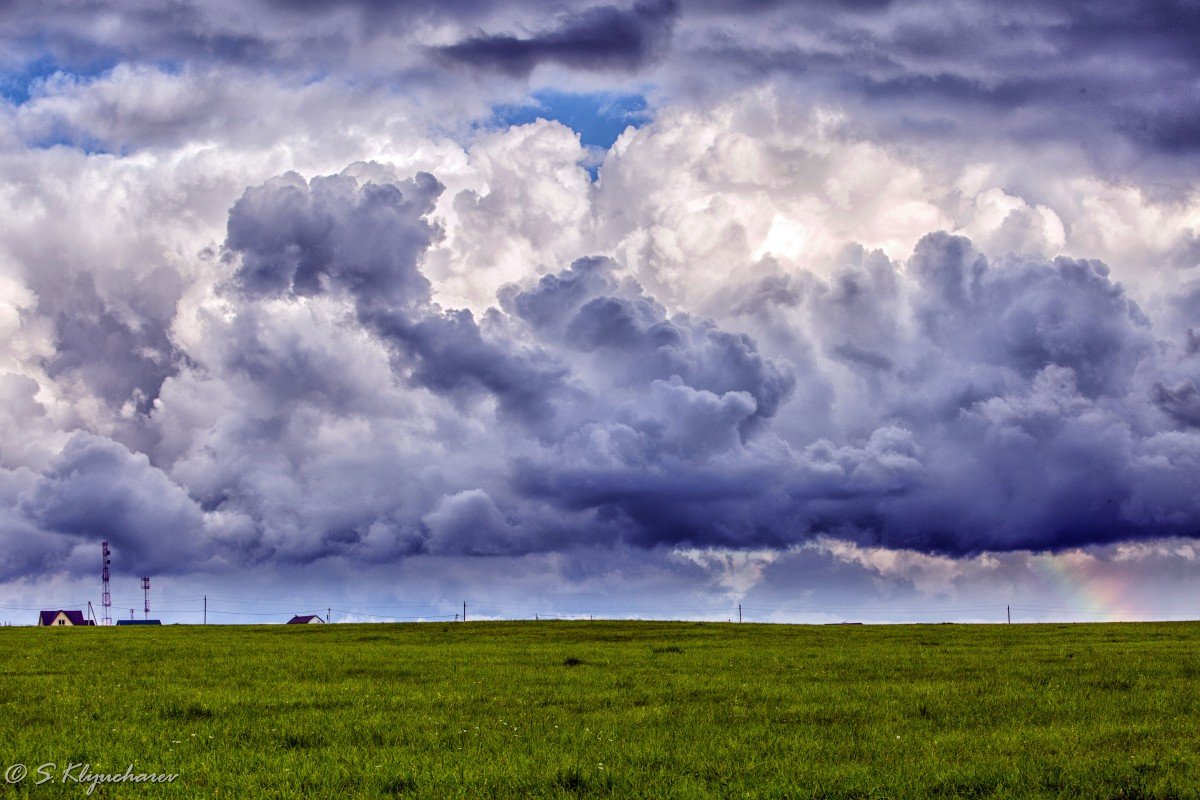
598 117
16 86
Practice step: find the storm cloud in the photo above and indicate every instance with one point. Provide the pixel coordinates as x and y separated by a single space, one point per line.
284 290
600 37
974 404
1055 72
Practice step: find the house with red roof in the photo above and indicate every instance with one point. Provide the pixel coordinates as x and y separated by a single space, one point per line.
62 618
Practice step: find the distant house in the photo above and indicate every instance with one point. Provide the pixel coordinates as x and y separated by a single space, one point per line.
305 619
60 617
139 622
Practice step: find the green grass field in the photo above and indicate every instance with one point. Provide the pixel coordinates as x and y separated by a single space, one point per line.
609 709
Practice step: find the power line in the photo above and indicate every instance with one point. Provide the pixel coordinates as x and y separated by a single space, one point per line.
245 607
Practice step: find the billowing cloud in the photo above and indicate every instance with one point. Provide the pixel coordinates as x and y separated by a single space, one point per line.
97 489
972 404
872 294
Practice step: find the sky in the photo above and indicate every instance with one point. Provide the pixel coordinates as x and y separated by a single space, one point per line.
870 311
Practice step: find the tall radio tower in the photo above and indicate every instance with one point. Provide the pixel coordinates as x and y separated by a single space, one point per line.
105 597
146 594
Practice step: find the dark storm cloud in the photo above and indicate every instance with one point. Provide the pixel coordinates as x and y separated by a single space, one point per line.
548 303
1093 76
29 550
97 489
470 523
307 36
587 310
1181 401
1007 415
1029 314
1018 391
300 238
450 354
597 38
296 238
968 404
1156 27
1019 345
118 357
581 353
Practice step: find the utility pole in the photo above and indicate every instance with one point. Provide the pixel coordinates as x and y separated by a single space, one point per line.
1009 610
464 610
205 609
739 613
328 615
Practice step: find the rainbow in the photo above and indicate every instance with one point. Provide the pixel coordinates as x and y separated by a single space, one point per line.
1088 587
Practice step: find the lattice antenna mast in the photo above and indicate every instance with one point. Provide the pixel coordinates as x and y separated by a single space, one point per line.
146 595
105 595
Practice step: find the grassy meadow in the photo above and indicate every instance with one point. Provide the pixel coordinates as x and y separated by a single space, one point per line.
608 709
